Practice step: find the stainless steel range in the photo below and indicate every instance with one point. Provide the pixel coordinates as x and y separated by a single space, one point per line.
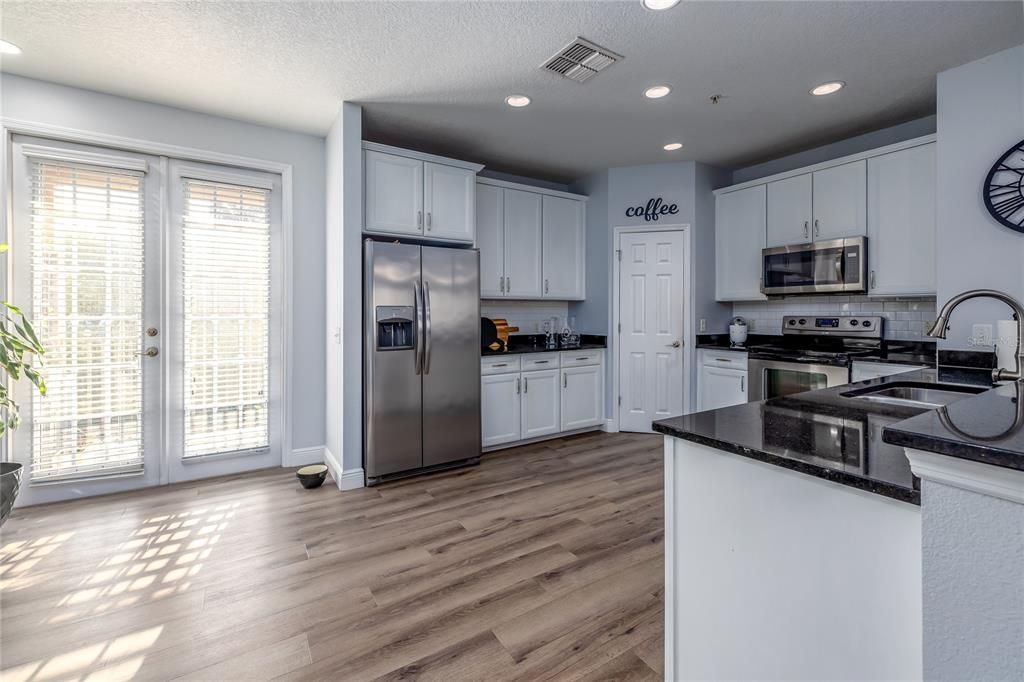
814 352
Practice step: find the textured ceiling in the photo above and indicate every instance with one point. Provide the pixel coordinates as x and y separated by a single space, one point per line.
434 74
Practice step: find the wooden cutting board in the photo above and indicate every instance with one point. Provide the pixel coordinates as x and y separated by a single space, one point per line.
504 329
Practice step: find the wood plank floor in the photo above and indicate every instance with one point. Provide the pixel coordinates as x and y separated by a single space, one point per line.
545 562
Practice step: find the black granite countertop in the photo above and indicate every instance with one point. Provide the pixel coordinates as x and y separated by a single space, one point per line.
985 428
534 343
823 433
891 352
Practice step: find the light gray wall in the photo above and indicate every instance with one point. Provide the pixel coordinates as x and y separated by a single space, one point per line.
593 315
852 145
344 303
980 116
42 102
972 549
717 314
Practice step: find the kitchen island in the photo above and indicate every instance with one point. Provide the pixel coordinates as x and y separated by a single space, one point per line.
793 538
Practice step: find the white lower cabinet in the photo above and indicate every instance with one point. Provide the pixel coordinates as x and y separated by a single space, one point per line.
537 395
540 404
582 397
723 379
500 409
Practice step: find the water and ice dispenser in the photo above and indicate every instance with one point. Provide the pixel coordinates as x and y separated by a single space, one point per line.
395 329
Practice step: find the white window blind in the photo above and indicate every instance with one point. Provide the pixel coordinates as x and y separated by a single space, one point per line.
86 232
226 285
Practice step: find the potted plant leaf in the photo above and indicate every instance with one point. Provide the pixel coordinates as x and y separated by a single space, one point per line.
20 352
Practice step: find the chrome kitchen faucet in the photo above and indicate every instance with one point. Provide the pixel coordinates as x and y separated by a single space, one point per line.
941 325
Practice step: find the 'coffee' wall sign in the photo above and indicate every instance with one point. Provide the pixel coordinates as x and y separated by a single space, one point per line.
654 209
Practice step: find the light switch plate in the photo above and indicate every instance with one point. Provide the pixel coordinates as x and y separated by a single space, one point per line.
703 325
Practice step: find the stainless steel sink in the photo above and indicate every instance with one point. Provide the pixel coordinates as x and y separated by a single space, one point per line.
915 394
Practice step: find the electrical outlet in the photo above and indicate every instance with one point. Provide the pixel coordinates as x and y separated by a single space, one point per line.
981 335
703 325
752 324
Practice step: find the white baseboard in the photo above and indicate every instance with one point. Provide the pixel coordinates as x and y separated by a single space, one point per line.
300 457
352 479
333 465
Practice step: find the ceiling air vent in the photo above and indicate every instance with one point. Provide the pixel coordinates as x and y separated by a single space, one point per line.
580 60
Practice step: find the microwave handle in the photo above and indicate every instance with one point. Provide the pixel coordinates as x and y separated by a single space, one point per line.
840 274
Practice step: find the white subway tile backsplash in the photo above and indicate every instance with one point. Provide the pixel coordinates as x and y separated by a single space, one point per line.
529 316
905 318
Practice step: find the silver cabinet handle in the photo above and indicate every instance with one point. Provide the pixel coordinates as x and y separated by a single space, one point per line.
526 385
722 360
817 228
426 327
743 384
541 362
504 364
565 380
519 385
508 285
419 218
150 352
501 284
872 279
807 230
545 286
429 219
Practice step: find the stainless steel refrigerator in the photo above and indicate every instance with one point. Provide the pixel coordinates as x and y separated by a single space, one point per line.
421 359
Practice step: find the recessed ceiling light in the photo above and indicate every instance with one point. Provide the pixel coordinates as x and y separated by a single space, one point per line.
517 100
672 146
9 48
828 88
657 91
660 4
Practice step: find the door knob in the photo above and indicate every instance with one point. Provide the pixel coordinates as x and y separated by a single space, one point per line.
152 352
674 344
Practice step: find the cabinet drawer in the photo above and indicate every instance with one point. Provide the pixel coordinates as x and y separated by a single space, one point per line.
581 357
540 361
502 364
731 359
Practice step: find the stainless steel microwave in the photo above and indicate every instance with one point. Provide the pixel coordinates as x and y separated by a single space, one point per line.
828 267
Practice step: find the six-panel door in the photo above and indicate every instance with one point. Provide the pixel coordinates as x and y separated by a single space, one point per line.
500 416
540 403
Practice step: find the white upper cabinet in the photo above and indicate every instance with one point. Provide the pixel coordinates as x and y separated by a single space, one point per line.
490 239
789 211
901 222
394 193
522 244
840 202
531 242
449 198
418 195
739 238
563 248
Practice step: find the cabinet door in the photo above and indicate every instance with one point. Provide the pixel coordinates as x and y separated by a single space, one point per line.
789 211
540 403
522 244
562 249
393 193
739 238
901 222
499 408
490 230
722 387
582 397
449 200
840 201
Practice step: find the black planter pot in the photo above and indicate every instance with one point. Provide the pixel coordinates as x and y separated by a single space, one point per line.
10 482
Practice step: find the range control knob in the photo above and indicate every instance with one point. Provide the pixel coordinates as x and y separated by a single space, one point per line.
854 323
792 323
866 323
803 321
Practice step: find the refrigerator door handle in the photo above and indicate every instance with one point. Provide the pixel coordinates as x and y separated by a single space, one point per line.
416 298
426 317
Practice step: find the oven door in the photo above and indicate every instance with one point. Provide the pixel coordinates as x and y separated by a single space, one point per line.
837 265
773 378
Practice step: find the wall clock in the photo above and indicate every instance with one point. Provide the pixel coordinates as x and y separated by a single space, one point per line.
1004 189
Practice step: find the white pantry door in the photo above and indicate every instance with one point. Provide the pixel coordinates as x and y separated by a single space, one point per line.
651 291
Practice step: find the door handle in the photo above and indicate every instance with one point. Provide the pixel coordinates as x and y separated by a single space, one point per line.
674 344
508 285
817 228
743 384
518 385
807 230
501 284
545 286
151 352
426 327
419 218
419 327
872 279
565 380
429 219
526 385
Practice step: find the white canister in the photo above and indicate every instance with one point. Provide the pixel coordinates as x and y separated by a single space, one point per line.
738 332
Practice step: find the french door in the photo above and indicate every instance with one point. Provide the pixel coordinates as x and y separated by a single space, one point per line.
153 286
